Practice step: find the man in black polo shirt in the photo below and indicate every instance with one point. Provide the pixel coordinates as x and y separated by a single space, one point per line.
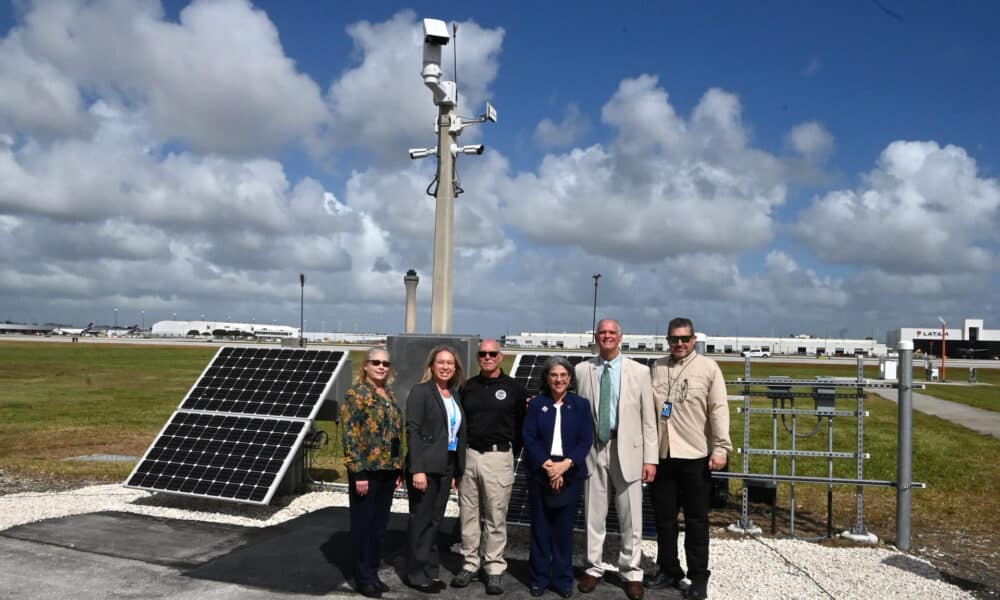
494 406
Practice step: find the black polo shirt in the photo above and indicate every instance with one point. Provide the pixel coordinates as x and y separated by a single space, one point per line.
494 411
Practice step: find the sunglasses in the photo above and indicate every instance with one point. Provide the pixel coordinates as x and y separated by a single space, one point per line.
490 353
380 363
673 339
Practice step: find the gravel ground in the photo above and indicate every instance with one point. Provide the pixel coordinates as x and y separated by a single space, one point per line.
742 568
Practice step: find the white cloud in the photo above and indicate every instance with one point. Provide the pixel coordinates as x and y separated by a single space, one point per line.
811 140
564 133
664 187
923 210
217 80
382 104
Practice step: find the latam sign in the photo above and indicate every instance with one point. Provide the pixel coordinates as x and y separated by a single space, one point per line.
928 333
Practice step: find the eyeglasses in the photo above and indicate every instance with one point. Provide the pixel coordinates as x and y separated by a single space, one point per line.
490 353
380 363
673 339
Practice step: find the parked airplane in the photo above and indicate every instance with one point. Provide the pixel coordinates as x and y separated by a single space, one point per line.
88 330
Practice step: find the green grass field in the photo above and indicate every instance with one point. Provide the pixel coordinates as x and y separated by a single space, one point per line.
60 400
985 396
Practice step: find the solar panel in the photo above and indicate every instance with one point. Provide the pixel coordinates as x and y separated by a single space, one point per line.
278 382
241 425
519 513
226 457
527 369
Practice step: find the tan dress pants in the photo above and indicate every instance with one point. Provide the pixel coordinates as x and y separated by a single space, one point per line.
483 496
605 478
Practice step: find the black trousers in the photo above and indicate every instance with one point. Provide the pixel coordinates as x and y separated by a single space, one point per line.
426 513
369 518
682 483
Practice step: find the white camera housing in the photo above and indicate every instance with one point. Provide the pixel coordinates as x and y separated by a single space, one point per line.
416 153
435 36
473 149
436 32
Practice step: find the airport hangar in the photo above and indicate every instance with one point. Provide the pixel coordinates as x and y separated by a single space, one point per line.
971 341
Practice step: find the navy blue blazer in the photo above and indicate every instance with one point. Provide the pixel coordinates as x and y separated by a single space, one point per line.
427 431
577 434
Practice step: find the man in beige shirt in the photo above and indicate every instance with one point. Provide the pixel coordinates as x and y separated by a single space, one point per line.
690 394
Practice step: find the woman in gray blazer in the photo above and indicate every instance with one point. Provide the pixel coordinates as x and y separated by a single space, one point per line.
436 441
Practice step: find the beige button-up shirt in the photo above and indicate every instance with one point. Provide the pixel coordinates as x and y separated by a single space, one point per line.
699 421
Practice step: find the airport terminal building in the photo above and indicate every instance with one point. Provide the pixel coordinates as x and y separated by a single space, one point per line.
800 345
222 329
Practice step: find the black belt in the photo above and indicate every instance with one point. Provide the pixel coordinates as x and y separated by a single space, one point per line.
499 447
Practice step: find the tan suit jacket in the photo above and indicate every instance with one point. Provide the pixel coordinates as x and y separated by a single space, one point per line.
637 435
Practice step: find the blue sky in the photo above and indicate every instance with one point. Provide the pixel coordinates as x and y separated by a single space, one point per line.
772 167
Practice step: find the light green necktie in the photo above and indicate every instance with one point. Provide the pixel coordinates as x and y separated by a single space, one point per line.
604 409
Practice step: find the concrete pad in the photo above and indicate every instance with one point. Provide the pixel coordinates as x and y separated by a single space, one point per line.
148 539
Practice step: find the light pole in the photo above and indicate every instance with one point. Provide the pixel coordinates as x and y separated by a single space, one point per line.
593 327
142 314
449 127
944 333
116 318
302 307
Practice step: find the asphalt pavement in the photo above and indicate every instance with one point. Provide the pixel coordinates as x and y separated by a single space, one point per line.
125 555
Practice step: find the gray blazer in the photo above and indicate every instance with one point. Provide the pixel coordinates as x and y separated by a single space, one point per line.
427 431
638 440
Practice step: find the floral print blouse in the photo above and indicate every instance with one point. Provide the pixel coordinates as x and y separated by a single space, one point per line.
373 428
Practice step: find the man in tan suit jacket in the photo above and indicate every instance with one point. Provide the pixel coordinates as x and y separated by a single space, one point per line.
624 455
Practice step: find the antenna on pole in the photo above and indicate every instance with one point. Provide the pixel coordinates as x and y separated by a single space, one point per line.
302 306
454 61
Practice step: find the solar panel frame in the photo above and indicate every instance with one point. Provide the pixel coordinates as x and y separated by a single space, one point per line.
518 511
165 468
215 390
211 423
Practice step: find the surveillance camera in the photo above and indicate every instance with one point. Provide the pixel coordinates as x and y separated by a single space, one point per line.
474 149
416 153
436 32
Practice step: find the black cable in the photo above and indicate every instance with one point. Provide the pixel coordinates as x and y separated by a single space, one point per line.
797 567
819 421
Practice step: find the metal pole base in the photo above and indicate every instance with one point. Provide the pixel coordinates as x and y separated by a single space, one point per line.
749 529
861 538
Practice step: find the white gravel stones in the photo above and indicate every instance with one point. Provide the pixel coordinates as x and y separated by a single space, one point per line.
744 568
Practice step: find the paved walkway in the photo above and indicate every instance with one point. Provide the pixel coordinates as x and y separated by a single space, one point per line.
976 419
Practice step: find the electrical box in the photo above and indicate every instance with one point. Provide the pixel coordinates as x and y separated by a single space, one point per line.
409 351
826 399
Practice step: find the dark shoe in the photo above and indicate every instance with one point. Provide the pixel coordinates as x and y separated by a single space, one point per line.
463 579
661 580
588 583
370 590
536 592
698 590
494 585
563 593
427 588
382 586
634 591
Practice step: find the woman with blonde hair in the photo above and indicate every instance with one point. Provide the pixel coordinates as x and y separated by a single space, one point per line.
436 441
372 424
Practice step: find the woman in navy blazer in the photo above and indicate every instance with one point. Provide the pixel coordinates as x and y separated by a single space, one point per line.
557 466
435 439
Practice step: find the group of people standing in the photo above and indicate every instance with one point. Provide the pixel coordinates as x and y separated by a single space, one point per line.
625 425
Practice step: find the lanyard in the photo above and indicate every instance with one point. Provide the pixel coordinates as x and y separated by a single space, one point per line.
671 380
